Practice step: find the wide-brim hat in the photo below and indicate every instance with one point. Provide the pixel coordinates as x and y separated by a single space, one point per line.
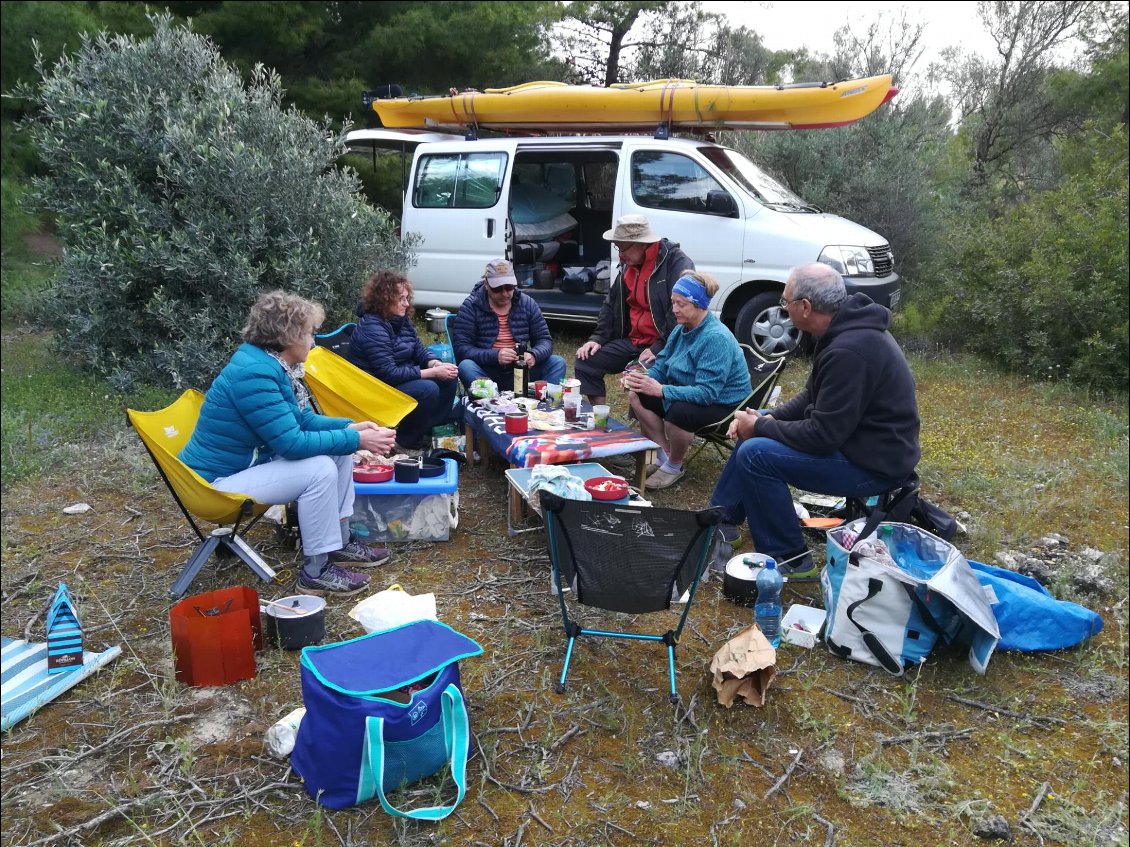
633 228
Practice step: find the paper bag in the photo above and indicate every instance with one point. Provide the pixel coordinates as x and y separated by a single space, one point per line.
744 667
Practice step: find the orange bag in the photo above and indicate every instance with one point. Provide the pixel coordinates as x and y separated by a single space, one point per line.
215 636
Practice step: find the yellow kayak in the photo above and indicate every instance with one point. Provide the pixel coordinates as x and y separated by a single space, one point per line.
677 103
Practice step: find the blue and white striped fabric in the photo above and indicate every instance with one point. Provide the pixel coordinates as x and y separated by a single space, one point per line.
27 685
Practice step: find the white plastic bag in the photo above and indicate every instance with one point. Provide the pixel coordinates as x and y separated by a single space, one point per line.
393 607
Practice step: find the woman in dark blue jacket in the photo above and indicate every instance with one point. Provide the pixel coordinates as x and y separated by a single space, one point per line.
386 345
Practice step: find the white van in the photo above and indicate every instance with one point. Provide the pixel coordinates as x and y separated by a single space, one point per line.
469 201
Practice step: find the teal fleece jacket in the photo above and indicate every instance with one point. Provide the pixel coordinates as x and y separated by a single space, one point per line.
250 416
704 366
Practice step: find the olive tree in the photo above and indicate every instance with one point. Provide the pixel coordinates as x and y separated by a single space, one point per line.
180 194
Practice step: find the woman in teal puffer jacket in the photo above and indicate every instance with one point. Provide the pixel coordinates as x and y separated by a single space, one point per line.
258 436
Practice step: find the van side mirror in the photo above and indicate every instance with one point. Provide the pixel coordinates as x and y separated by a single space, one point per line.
719 202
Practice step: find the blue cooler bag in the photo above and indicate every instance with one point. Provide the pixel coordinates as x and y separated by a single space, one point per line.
363 736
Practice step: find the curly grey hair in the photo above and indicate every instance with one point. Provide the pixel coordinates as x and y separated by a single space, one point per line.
278 319
820 285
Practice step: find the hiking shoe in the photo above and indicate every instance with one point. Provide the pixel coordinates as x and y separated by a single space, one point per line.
332 580
720 557
361 555
663 479
651 468
399 449
730 533
803 569
622 462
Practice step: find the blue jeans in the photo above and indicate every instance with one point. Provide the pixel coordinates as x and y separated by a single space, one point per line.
754 487
551 370
434 398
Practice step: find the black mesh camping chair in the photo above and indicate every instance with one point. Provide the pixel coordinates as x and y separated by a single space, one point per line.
626 559
763 376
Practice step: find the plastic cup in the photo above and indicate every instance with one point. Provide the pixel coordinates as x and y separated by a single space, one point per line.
553 394
539 389
572 407
600 415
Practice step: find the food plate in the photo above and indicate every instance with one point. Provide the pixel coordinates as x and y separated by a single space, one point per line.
372 473
607 487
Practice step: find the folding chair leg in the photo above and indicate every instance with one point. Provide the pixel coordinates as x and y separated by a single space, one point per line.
671 670
242 551
233 544
201 555
565 669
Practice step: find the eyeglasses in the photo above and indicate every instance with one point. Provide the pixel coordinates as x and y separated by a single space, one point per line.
405 298
624 246
786 303
505 289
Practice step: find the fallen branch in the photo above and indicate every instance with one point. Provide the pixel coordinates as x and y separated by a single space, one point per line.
97 820
926 736
785 776
830 836
538 818
998 710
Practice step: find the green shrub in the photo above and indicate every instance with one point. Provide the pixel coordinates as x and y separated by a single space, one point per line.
181 193
1043 287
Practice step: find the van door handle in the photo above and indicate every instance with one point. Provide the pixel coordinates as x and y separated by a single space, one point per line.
490 227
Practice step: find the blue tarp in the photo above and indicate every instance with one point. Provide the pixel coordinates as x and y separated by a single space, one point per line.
1029 617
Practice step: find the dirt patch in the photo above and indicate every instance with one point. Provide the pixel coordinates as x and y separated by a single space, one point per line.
607 762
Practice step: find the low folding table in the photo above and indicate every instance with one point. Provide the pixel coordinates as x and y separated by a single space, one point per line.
575 443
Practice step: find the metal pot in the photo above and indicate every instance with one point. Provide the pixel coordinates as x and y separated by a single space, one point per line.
437 320
294 622
739 584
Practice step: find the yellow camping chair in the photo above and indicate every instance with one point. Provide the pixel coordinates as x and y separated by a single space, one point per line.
164 433
343 390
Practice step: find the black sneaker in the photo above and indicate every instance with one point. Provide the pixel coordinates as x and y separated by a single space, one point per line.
332 580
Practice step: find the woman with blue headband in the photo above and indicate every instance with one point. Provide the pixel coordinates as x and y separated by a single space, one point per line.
697 379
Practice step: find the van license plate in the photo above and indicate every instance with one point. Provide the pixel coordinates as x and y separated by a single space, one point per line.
894 299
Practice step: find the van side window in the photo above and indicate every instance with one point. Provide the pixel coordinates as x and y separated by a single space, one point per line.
459 180
663 180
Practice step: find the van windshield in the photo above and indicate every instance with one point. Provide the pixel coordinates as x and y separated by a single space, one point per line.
749 176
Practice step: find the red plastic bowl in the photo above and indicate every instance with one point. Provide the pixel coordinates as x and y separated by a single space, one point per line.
372 473
613 492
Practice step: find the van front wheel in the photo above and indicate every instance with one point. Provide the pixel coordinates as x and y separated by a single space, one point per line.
765 326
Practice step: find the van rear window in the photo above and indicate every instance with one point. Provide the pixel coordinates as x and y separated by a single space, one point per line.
459 180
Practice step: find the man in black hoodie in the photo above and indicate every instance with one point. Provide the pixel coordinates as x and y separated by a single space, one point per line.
852 430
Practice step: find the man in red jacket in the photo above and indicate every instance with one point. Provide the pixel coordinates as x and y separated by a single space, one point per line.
636 317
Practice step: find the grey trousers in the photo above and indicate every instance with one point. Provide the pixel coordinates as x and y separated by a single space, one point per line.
322 485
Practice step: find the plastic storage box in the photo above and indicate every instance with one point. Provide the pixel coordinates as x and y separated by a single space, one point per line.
395 511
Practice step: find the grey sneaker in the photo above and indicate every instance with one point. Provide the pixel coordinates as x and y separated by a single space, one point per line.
410 452
361 555
332 580
663 479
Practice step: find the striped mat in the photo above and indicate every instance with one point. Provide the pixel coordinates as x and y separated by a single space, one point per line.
26 683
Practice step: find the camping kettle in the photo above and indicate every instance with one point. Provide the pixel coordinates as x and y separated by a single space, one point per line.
437 320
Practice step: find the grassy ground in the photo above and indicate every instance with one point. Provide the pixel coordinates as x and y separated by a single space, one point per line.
841 753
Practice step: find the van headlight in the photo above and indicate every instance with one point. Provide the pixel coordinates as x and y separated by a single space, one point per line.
848 260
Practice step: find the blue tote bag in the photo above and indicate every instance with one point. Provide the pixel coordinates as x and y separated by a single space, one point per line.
383 711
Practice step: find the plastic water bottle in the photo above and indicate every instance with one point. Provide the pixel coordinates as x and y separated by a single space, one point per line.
767 611
280 738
